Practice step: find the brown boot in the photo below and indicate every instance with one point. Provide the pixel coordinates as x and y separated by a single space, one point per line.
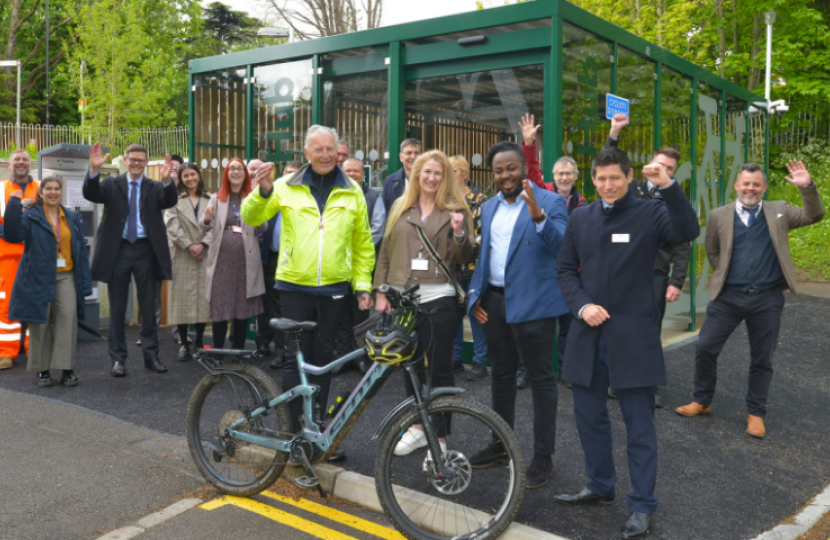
755 426
693 409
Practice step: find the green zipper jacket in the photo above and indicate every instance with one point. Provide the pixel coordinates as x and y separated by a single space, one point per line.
317 250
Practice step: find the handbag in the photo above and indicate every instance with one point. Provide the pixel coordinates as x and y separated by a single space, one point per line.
460 295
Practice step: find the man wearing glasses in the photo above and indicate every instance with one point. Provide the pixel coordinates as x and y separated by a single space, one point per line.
131 242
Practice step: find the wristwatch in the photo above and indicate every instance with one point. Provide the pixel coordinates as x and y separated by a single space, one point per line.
541 218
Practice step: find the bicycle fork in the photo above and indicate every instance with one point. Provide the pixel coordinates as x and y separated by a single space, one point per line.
432 439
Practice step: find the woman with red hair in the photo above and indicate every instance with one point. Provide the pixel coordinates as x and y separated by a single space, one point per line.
234 284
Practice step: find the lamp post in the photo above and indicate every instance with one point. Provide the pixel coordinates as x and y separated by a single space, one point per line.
12 63
277 33
769 18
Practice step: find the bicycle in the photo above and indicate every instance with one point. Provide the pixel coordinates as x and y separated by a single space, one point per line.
236 415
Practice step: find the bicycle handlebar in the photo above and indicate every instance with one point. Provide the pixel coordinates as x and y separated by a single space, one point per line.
396 297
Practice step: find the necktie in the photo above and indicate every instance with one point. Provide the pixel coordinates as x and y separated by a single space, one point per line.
132 222
751 213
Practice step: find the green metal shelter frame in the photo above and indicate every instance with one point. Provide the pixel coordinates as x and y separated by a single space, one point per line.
554 58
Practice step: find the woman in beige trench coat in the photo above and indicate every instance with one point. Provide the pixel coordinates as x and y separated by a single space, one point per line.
235 283
189 244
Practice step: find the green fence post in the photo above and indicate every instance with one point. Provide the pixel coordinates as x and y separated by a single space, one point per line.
696 206
614 67
250 152
397 116
191 118
722 165
316 90
658 105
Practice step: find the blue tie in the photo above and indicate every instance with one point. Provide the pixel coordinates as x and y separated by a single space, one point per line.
751 212
132 223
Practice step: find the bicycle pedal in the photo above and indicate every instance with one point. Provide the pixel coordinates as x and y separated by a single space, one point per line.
307 481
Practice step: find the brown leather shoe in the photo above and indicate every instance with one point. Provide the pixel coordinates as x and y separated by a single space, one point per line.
755 426
693 409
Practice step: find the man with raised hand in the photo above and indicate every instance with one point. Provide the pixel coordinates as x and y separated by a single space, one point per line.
605 272
326 249
747 243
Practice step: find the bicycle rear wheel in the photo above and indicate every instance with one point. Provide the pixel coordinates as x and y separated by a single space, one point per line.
233 466
475 503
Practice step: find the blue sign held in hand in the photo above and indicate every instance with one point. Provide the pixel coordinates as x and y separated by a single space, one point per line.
615 105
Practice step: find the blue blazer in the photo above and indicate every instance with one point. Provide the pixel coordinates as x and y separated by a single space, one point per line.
34 285
531 289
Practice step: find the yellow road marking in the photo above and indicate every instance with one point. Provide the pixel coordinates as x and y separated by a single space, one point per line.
341 517
277 515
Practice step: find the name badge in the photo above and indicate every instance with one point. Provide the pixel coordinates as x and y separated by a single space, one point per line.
61 262
420 264
236 229
620 238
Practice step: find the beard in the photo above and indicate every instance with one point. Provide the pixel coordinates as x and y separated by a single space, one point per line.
749 201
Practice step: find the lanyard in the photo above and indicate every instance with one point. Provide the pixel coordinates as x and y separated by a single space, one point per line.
58 232
235 210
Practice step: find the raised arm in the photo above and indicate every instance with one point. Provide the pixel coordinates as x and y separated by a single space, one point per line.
529 130
813 210
264 202
92 183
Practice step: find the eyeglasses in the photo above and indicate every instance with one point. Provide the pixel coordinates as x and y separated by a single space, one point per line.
137 161
236 169
564 173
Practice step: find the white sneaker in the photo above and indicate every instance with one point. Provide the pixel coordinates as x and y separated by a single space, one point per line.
428 460
411 441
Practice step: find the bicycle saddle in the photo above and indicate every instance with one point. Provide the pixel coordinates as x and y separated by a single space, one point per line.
287 325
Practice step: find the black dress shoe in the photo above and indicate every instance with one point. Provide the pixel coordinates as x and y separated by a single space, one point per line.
539 472
637 525
493 455
658 397
458 367
155 365
118 369
277 362
521 380
184 353
44 379
477 372
68 378
586 496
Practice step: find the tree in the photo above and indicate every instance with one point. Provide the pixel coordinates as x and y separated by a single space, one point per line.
131 51
319 18
225 31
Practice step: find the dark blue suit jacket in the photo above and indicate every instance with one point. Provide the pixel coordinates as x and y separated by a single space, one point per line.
608 259
531 289
393 188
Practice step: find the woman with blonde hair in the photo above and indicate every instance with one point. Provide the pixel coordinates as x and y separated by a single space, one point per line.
433 201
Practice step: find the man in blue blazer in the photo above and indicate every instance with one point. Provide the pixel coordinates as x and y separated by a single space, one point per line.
395 184
515 296
606 271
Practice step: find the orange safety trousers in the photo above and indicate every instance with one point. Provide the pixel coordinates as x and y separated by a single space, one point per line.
10 255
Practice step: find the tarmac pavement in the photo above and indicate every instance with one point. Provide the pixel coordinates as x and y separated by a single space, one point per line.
714 481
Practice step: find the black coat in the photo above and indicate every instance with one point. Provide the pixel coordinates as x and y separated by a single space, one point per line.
114 194
393 188
619 276
34 285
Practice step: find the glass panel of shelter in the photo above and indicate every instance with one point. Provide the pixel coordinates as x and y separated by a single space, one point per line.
635 82
220 102
675 113
357 106
708 181
282 93
735 139
586 78
466 114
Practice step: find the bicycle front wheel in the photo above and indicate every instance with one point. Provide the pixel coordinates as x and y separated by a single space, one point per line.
233 466
470 502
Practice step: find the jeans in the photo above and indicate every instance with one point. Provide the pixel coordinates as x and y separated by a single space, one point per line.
479 343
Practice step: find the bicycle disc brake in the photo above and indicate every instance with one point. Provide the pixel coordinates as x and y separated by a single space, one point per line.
459 481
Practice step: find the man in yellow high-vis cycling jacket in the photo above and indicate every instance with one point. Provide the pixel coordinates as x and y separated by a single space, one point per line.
325 247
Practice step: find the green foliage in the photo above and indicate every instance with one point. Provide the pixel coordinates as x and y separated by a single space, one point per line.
808 245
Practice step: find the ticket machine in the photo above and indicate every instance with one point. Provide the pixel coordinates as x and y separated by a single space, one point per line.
70 163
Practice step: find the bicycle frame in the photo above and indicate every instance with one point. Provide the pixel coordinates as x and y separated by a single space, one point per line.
338 428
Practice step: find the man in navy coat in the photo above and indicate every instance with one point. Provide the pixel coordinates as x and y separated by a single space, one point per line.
395 184
606 273
516 298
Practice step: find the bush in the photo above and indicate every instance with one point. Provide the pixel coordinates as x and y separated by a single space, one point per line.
809 246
